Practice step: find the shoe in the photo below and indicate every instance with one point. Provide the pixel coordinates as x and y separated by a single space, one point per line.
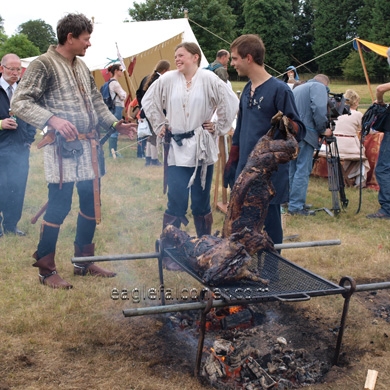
155 162
378 215
16 231
118 155
307 206
303 212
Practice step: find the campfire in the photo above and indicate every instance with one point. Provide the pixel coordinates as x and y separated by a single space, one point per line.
239 364
254 354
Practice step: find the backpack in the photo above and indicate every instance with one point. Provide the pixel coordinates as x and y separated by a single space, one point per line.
375 118
108 100
214 67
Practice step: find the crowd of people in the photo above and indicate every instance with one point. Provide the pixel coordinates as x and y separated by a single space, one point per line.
187 108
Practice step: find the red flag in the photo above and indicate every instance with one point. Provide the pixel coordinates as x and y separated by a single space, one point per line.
130 69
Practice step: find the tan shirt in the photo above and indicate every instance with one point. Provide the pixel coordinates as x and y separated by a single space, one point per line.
50 86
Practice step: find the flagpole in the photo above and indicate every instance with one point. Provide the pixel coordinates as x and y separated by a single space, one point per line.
364 69
124 70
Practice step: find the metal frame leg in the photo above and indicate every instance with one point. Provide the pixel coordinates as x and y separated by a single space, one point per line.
209 303
160 271
347 296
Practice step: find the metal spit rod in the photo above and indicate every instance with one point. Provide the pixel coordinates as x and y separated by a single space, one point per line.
140 311
152 255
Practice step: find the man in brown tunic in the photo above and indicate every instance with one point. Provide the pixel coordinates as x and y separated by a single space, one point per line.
58 91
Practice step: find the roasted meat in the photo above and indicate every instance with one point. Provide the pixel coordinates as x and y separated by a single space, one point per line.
226 259
253 190
216 260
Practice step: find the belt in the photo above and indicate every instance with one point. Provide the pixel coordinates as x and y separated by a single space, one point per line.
345 135
49 138
179 137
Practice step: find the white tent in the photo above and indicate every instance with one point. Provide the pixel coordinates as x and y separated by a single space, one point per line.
143 43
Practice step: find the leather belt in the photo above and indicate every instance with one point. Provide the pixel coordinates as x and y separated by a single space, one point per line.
49 139
179 137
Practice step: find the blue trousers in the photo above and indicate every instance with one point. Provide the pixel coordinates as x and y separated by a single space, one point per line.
13 179
178 193
382 173
299 174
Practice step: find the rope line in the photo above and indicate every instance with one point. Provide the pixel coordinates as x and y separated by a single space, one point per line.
276 71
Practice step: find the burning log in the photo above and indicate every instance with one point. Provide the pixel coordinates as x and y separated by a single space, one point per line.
237 319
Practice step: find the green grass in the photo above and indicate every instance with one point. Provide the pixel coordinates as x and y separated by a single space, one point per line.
363 90
79 338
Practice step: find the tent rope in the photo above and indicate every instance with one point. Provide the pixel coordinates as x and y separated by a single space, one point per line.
321 55
280 74
204 28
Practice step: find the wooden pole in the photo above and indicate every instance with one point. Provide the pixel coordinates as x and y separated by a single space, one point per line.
365 69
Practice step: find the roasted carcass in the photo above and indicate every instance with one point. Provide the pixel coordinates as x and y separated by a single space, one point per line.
253 189
216 260
226 259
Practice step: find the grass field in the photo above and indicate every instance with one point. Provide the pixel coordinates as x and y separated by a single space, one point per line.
363 90
79 339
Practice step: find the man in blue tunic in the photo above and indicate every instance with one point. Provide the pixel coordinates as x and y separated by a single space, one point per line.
262 97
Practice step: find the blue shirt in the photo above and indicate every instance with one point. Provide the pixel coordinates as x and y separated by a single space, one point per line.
254 121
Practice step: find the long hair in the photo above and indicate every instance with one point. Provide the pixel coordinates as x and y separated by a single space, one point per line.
161 66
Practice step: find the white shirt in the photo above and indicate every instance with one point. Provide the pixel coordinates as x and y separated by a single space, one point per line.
187 109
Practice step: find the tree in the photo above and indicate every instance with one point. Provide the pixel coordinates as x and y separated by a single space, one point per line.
1 25
379 17
158 10
213 22
20 45
273 22
237 9
334 24
39 33
353 69
303 35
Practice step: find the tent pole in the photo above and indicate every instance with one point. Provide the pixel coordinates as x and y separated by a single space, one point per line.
365 69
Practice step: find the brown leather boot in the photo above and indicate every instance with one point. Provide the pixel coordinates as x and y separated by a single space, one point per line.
82 269
203 224
47 272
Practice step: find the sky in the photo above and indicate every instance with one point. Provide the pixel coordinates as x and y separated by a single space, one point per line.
51 12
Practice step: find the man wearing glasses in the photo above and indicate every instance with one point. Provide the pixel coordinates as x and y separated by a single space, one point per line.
16 137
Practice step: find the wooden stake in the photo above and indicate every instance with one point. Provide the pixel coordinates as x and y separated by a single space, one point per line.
370 380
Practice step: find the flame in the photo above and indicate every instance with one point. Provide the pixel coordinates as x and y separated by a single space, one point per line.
230 372
234 309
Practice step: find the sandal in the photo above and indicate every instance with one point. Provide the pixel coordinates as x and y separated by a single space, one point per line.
378 215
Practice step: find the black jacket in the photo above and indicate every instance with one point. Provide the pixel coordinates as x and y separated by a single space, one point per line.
11 140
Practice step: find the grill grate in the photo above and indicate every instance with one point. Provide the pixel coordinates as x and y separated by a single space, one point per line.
287 281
